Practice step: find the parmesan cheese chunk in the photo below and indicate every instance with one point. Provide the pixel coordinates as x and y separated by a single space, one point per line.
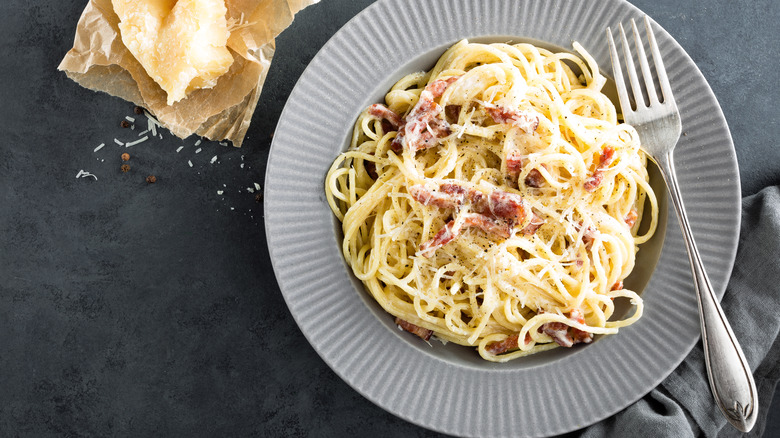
180 43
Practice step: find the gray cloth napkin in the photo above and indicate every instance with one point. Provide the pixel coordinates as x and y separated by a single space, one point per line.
682 406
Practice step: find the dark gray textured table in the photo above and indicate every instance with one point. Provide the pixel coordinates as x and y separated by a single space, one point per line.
139 309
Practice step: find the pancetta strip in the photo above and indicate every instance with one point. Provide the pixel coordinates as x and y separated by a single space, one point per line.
631 218
565 335
524 120
447 233
423 125
536 222
436 198
605 159
508 206
423 333
384 113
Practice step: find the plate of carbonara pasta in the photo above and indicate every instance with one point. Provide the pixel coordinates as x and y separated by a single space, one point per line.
460 220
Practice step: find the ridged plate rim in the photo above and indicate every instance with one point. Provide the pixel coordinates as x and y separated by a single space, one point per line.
488 400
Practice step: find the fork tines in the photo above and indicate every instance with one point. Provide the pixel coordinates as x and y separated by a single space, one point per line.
636 94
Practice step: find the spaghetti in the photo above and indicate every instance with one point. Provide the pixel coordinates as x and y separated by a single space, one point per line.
495 201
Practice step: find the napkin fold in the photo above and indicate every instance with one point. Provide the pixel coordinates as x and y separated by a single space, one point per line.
682 406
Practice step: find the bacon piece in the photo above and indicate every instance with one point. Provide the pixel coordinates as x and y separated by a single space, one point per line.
438 198
605 159
488 224
438 86
449 195
443 237
423 126
391 121
577 334
559 332
565 335
510 343
524 120
496 348
514 163
423 333
536 222
507 206
386 114
534 179
631 218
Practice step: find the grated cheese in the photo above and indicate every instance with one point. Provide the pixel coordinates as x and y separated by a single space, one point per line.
197 151
179 149
84 174
257 186
140 140
151 123
143 132
129 119
219 192
118 142
100 146
197 143
213 159
189 162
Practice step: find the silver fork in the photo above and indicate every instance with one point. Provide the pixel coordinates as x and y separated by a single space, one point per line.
659 127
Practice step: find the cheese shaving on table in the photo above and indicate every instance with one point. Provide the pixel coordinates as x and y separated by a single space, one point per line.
85 174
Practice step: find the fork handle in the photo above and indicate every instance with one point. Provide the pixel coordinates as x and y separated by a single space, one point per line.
730 378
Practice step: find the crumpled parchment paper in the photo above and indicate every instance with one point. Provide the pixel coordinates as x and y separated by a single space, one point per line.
101 62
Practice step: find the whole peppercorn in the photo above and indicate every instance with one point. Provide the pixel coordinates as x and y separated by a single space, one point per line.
151 179
259 197
124 124
125 157
125 168
138 110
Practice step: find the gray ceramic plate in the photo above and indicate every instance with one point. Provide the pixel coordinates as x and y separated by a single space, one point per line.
448 388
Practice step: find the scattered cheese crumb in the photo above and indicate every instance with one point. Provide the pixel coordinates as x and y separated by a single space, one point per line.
179 149
250 190
118 142
213 159
257 187
197 151
100 146
129 119
197 142
143 132
219 192
223 143
85 174
242 165
151 123
140 140
189 162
